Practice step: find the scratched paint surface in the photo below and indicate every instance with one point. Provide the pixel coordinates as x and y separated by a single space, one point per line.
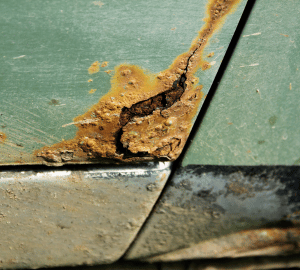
254 116
47 48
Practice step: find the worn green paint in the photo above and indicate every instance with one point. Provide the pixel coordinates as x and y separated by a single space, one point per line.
46 48
254 117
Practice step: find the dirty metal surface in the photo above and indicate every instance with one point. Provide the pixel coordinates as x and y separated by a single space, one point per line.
203 203
253 118
263 242
72 217
58 59
250 263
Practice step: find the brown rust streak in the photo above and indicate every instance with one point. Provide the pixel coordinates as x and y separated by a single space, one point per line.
258 242
144 116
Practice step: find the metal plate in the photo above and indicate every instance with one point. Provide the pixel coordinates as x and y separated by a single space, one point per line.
202 203
47 48
253 118
74 216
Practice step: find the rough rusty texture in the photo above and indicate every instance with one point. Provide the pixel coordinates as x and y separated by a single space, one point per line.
144 116
2 137
247 243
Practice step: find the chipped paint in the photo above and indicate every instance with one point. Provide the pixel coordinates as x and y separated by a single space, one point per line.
144 116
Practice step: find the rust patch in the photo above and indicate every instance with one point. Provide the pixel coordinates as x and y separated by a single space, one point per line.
210 55
94 68
2 137
205 66
104 64
92 91
260 242
144 116
90 80
54 102
284 35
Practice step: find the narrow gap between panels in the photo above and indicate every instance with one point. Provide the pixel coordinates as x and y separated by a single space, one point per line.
231 48
219 75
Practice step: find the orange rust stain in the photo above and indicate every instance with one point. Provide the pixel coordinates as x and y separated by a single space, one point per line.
210 55
206 66
2 137
284 35
144 116
92 91
90 80
94 68
104 64
108 71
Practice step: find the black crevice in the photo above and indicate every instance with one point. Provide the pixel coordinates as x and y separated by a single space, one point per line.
177 163
146 107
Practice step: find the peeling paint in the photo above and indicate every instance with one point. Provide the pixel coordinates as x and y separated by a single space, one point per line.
144 116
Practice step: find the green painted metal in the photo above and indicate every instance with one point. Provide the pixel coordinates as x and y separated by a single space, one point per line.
254 117
46 48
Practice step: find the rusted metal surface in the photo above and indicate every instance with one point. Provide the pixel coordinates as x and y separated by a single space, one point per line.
145 117
253 118
202 203
262 242
74 216
105 96
249 263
